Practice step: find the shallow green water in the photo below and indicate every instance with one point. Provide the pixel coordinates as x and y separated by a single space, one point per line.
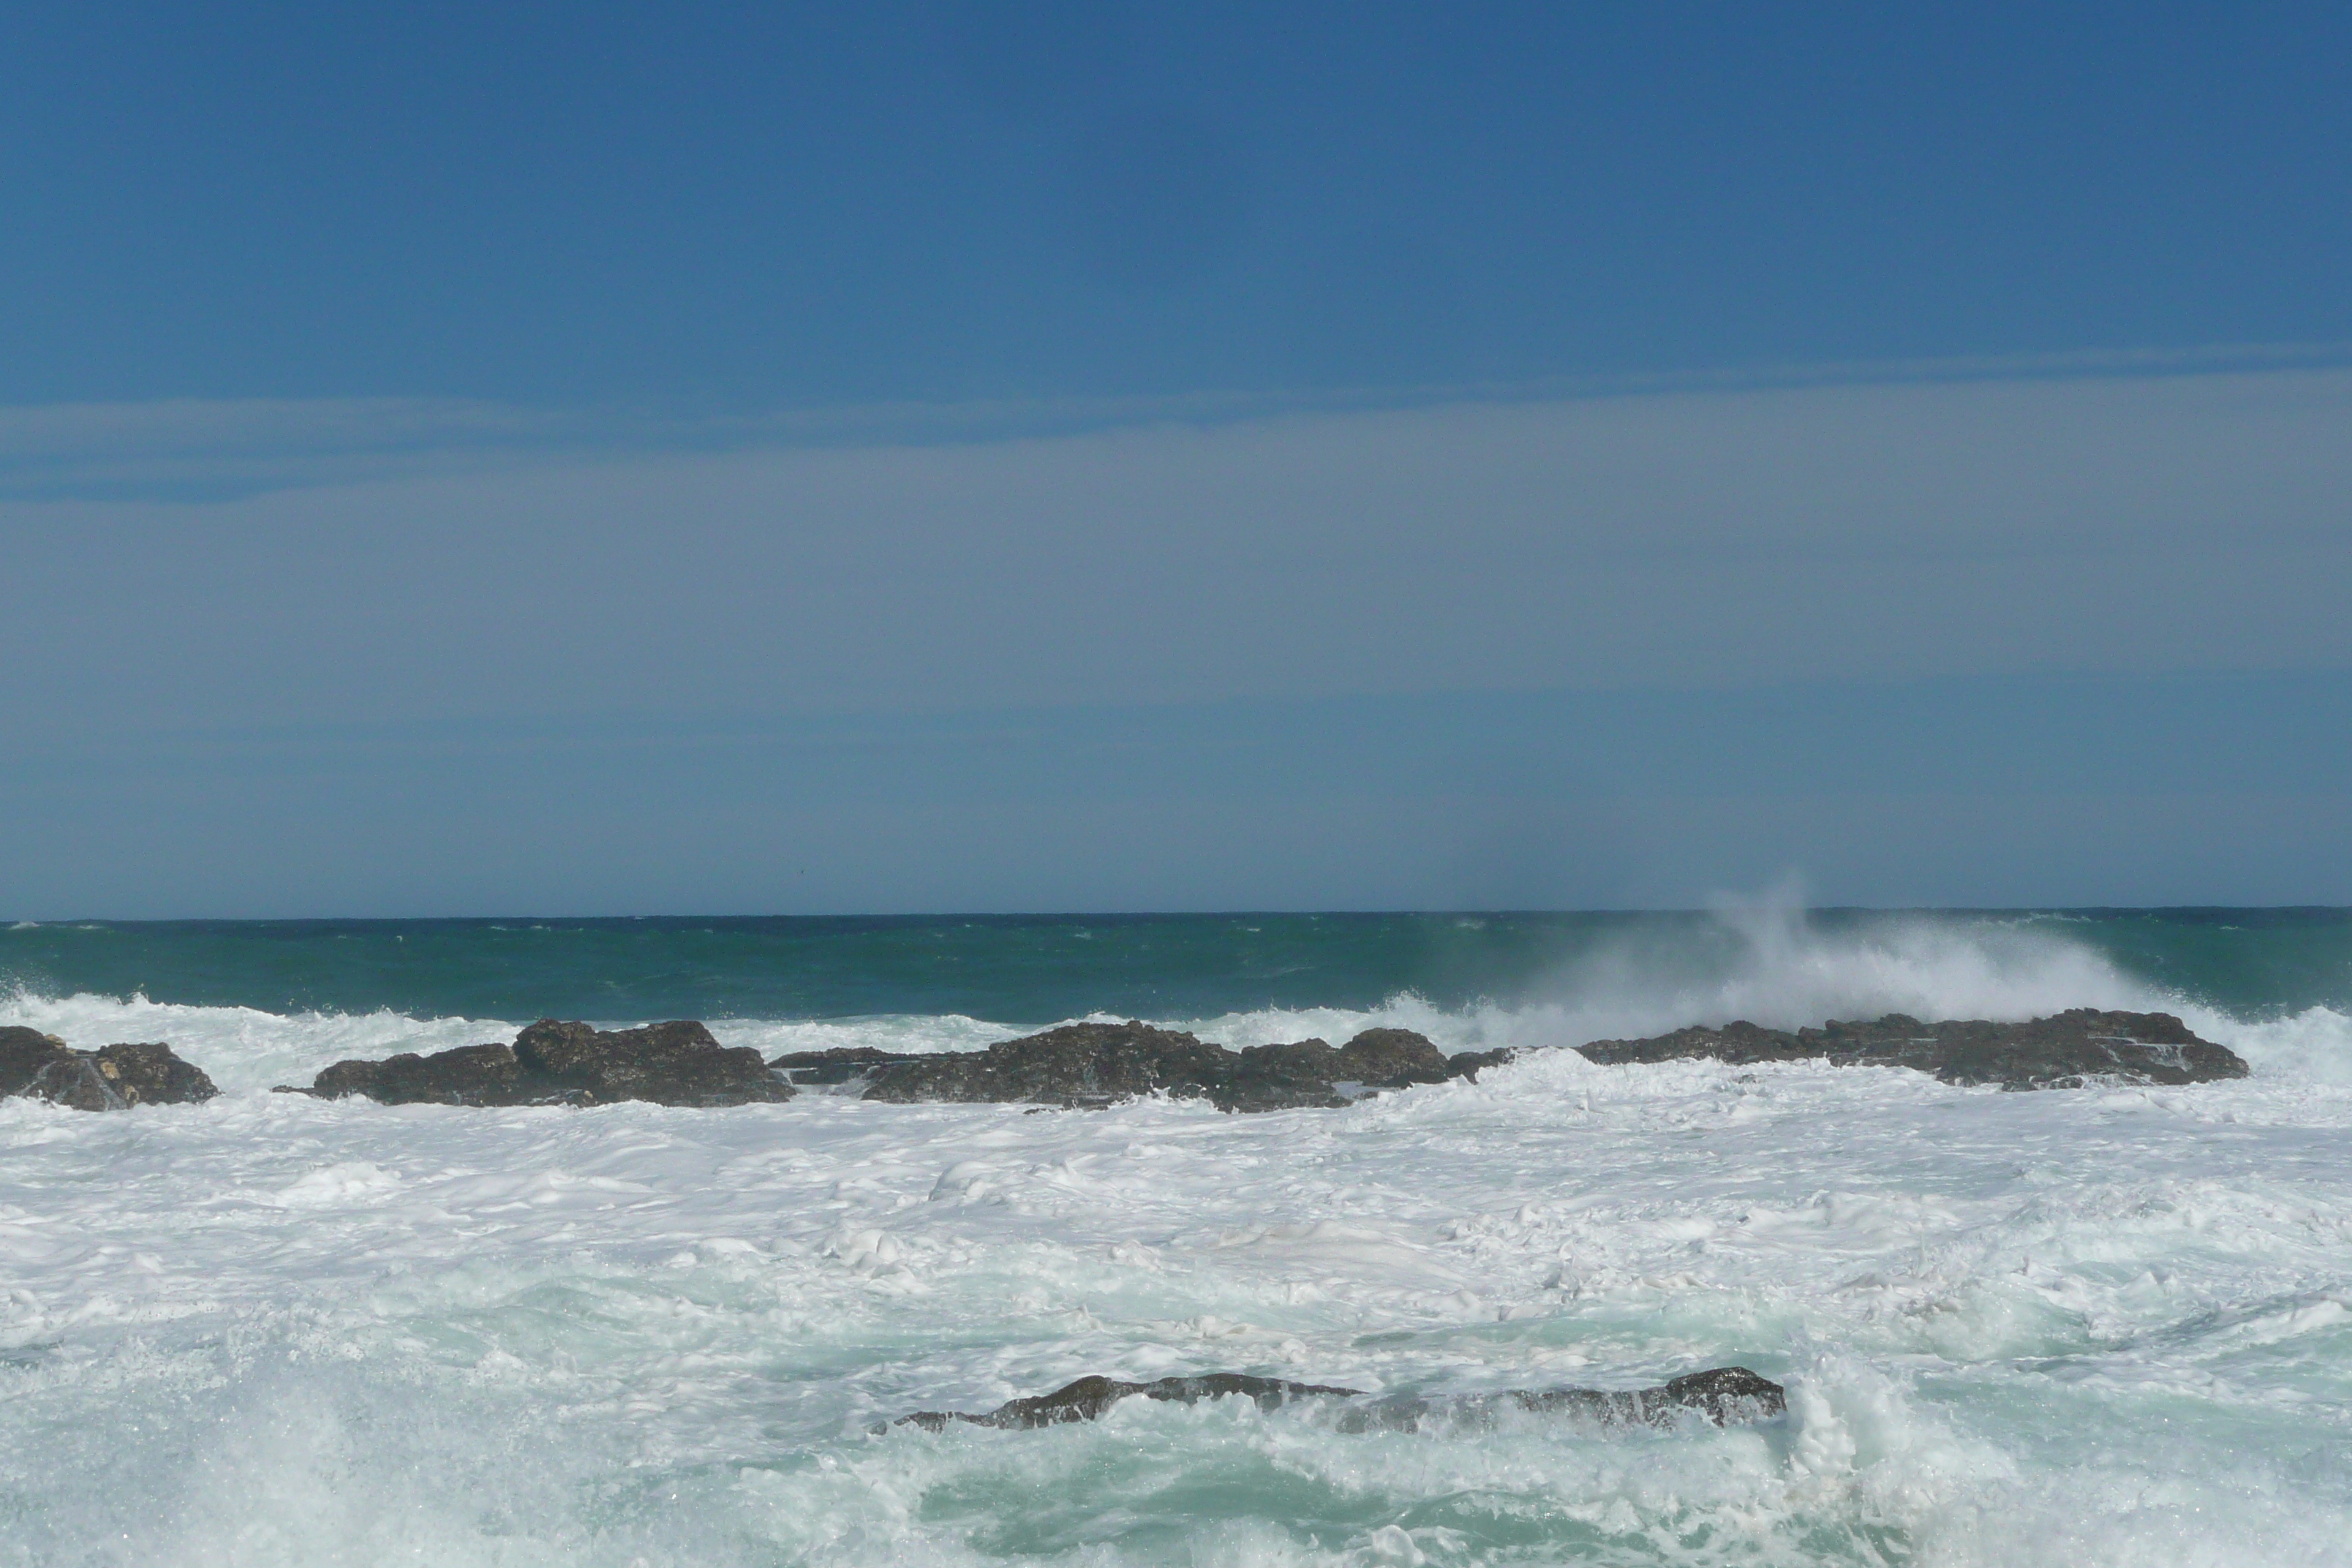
1037 969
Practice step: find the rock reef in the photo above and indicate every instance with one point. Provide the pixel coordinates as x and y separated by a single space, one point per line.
1092 1065
2074 1048
556 1063
1722 1395
1080 1066
1089 1397
112 1078
1077 1065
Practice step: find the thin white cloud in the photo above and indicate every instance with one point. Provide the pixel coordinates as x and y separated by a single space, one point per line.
193 448
1890 530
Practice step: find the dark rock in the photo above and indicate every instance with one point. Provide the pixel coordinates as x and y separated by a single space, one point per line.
1075 1064
554 1063
24 1054
468 1075
112 1078
2067 1051
1285 1078
838 1066
676 1063
1090 1396
1721 1395
1092 1065
1392 1058
1470 1064
150 1073
74 1081
1310 1072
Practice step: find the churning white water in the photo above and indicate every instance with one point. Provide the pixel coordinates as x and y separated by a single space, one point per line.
2104 1326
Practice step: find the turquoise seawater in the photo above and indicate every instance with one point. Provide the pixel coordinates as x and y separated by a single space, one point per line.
2105 1326
1035 969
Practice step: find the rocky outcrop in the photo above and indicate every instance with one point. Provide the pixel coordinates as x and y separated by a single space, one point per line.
1093 1064
669 1064
2066 1051
112 1078
555 1063
1087 1065
1089 1397
1724 1395
1313 1072
1470 1064
842 1064
468 1075
1721 1395
1076 1065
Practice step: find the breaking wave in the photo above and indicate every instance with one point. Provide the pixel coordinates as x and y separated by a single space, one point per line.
2099 1326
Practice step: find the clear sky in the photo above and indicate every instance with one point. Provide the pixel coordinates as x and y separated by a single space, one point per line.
601 459
759 206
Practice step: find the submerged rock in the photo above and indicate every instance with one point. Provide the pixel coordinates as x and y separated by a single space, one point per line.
1091 1065
1313 1072
840 1065
1076 1065
556 1063
676 1063
1723 1395
2066 1051
26 1055
1720 1395
112 1078
1470 1064
1089 1397
468 1075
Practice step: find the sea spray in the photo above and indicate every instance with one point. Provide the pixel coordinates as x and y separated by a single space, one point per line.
2101 1325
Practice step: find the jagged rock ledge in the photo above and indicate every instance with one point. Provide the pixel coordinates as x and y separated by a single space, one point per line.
1090 1065
112 1078
1078 1065
556 1063
2074 1048
1094 1065
1721 1395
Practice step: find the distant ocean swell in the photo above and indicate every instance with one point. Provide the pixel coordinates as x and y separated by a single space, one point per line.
1771 965
2102 1326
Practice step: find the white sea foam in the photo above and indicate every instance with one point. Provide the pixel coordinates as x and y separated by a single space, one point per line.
2104 1326
1773 967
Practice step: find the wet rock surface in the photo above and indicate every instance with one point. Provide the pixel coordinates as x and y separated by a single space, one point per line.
112 1078
1722 1395
1314 1072
1093 1064
557 1063
24 1055
1089 1397
468 1075
2065 1051
843 1064
1076 1065
1089 1065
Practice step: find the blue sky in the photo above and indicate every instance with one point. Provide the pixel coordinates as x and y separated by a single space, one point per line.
763 205
634 459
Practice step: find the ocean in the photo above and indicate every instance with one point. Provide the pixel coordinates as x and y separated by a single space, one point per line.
2110 1325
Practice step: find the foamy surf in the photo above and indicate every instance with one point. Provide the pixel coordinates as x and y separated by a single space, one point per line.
2100 1326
